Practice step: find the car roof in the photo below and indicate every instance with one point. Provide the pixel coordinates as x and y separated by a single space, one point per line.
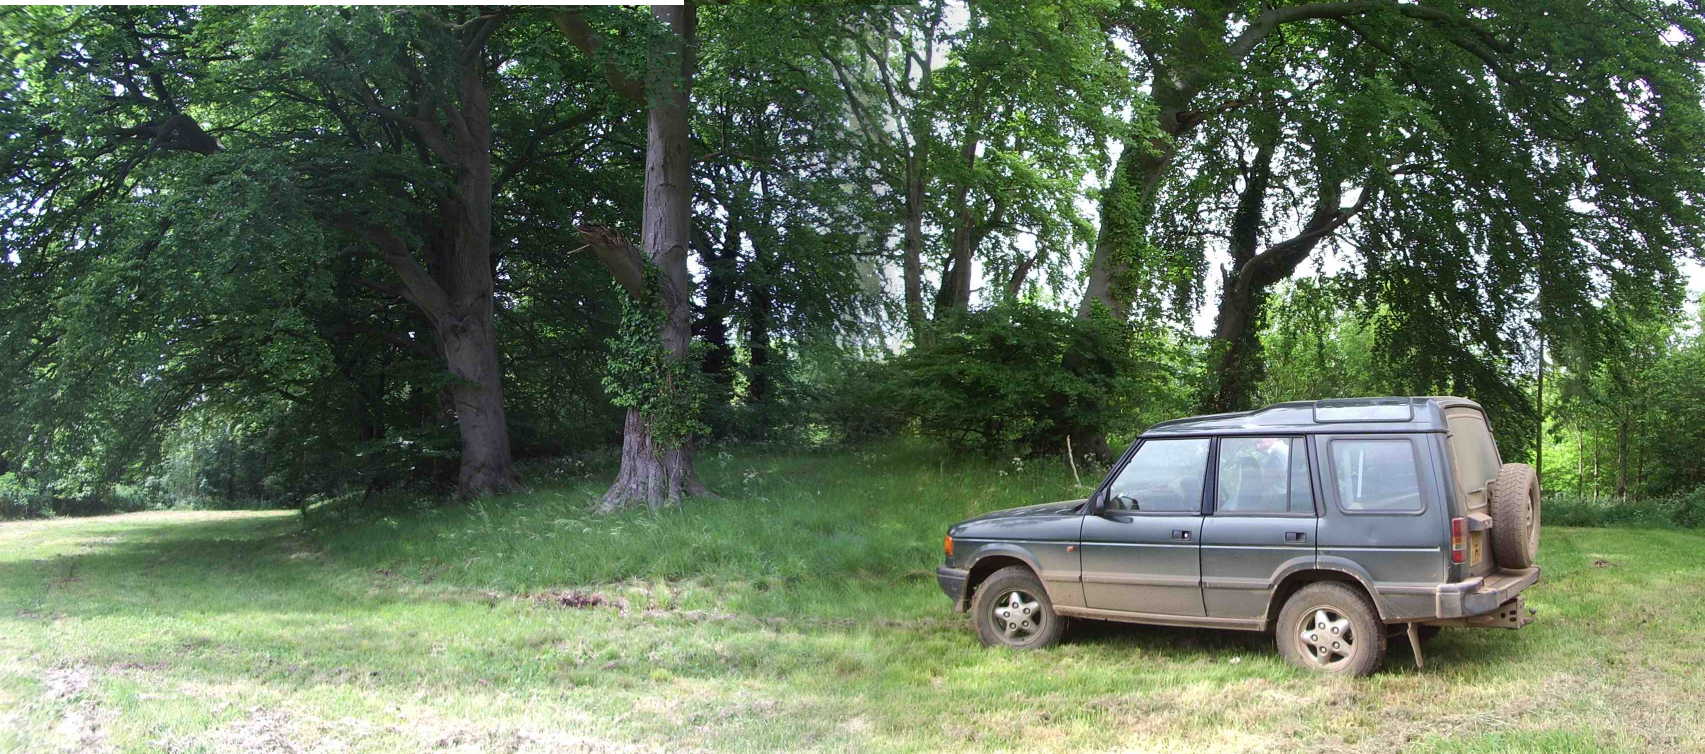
1332 415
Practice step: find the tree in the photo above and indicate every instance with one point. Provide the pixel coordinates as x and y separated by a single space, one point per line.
984 134
367 147
788 242
1430 143
657 454
454 288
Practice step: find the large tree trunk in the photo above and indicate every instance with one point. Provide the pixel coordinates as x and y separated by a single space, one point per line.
470 349
467 332
955 293
1235 352
650 473
912 267
454 288
1127 202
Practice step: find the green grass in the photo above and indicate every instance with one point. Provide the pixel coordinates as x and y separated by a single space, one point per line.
797 611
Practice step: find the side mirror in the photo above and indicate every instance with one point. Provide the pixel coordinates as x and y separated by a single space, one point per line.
1123 503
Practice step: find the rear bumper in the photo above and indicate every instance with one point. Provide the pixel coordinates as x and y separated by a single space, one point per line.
952 581
1483 594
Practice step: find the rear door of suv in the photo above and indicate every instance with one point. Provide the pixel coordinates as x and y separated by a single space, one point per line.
1263 522
1385 509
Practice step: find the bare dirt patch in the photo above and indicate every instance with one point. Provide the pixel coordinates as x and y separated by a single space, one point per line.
82 722
574 599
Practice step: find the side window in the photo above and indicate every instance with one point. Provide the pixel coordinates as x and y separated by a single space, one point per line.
1264 475
1376 475
1164 476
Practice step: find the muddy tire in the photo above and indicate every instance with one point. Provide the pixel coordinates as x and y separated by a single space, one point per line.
1329 627
1011 609
1515 516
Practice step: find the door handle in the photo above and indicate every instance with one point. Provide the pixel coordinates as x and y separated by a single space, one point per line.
1182 534
1295 536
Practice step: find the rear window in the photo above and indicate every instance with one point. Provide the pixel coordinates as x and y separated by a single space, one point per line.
1376 475
1472 447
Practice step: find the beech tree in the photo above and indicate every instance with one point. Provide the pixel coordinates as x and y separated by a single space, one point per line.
1438 148
980 136
369 137
652 370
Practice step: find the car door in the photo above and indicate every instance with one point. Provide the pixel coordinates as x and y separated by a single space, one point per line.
1139 549
1386 514
1263 522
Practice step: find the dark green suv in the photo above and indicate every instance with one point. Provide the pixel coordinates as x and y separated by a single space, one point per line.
1333 524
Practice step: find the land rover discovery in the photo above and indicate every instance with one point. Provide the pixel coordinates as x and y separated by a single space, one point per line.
1333 524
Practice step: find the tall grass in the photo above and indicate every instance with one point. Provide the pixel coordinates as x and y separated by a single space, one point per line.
788 533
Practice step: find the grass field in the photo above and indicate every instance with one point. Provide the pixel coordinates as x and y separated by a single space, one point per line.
797 611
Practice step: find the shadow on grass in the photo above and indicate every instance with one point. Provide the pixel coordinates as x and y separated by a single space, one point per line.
1193 641
178 563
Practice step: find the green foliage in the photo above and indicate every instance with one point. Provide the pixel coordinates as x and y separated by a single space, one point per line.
992 380
1679 510
855 403
152 287
187 320
1321 342
641 374
19 500
1628 422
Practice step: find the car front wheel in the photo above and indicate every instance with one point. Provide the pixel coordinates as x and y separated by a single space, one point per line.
1330 628
1011 609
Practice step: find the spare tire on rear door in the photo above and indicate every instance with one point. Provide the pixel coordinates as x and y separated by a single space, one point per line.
1515 516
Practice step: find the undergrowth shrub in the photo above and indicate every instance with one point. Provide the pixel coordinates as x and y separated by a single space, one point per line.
1684 510
857 403
19 500
997 381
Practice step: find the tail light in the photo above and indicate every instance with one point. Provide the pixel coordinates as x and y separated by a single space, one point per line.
1459 540
947 545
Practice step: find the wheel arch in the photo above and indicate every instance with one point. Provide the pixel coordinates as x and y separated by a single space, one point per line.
1295 580
987 563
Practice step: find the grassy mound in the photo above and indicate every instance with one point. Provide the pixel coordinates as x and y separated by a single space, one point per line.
789 534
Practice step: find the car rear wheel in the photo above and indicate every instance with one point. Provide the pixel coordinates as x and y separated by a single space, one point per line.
1515 516
1011 609
1330 628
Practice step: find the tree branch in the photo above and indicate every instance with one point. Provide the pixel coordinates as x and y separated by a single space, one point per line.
574 26
418 286
618 256
1270 19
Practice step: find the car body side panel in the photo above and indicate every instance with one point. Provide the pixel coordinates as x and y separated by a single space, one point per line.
1137 562
1046 542
1242 557
1405 555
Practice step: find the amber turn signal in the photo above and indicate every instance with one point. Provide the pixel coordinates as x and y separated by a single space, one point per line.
947 544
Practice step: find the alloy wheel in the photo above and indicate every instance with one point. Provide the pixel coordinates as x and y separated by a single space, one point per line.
1326 636
1018 615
